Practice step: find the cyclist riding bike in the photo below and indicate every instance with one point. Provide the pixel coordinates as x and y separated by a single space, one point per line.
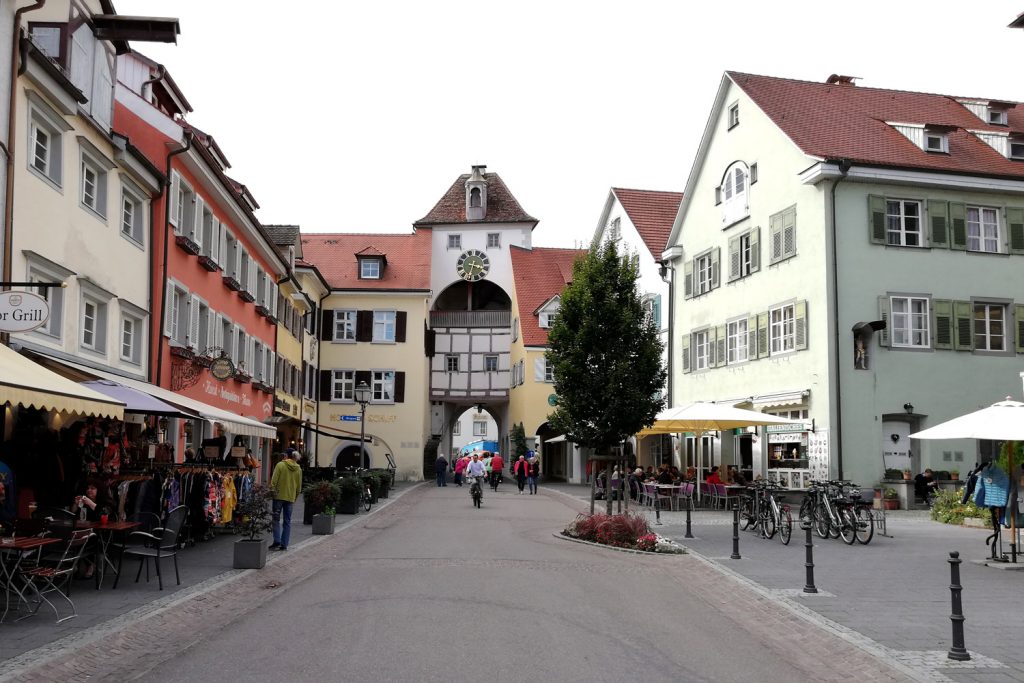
475 473
497 465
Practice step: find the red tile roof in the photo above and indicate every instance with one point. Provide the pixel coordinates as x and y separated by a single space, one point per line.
502 207
652 213
847 121
540 273
334 255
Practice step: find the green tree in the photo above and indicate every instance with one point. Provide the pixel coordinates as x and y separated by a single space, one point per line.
518 441
606 354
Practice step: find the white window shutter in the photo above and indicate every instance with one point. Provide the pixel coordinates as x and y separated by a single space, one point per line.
271 370
274 295
193 321
211 330
218 331
197 224
250 354
538 369
215 242
168 312
237 354
252 276
175 188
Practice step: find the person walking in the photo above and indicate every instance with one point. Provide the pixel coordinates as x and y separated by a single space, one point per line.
532 473
441 469
460 467
521 470
286 482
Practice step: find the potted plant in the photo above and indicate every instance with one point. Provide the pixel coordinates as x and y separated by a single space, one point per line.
255 515
323 522
907 475
892 474
348 495
317 496
954 475
891 499
383 482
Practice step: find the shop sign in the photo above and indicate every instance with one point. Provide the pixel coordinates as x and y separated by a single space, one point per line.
22 311
222 369
789 437
798 427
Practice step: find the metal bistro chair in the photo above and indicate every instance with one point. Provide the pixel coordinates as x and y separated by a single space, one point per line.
708 495
724 497
650 494
160 544
43 579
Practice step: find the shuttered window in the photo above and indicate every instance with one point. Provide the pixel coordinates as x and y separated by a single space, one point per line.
910 321
701 350
782 235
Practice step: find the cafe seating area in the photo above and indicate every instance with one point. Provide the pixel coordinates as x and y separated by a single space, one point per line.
679 495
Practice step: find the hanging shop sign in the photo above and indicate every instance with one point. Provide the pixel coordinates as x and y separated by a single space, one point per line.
222 369
22 311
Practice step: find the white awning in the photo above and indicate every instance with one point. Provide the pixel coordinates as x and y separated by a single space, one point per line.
786 398
28 384
236 424
558 439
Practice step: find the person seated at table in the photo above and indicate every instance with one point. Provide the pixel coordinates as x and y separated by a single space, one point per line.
691 473
95 507
650 471
713 477
734 476
664 475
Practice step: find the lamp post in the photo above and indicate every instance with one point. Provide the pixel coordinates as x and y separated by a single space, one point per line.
362 395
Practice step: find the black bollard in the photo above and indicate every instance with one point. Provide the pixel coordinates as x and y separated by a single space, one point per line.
809 563
735 532
657 509
958 652
689 532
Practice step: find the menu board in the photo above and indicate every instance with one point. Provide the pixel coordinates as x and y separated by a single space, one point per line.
817 455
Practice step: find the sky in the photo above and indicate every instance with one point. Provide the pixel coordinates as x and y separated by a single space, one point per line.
357 117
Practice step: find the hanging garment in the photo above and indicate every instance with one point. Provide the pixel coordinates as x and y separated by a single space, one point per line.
227 508
993 487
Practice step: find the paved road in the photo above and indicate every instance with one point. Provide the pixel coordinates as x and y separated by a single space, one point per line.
435 590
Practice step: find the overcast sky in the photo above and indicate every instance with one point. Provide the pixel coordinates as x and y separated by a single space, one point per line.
356 117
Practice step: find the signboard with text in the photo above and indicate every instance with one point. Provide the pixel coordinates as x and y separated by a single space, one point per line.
22 311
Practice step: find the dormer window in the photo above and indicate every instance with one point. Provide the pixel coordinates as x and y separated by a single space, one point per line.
547 312
997 117
474 198
936 142
1017 150
369 268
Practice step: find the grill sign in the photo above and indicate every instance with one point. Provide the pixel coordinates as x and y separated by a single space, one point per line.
22 311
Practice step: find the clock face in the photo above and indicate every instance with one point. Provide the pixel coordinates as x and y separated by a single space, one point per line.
473 265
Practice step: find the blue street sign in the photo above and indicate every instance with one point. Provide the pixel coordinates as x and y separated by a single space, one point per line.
350 418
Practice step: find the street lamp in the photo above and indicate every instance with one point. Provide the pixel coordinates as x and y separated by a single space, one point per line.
362 398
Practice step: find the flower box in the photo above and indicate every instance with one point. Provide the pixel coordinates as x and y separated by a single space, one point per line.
202 361
263 311
242 377
263 386
209 264
251 554
232 284
182 352
323 525
187 244
246 296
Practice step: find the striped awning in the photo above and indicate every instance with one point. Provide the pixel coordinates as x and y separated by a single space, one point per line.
28 384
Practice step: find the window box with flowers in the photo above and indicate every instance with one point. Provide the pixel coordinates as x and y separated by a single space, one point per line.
209 264
187 245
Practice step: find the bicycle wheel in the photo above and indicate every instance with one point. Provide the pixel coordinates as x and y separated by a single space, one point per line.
367 501
865 525
785 526
848 525
767 522
822 523
746 513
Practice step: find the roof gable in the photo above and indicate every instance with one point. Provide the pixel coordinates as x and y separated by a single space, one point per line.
502 206
336 256
541 275
652 213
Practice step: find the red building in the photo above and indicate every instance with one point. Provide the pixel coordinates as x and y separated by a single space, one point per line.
214 269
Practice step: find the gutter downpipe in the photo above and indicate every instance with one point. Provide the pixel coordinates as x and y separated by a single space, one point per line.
167 237
666 269
16 70
844 168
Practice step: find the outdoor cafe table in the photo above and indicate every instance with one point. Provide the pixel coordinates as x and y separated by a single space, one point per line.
106 532
21 548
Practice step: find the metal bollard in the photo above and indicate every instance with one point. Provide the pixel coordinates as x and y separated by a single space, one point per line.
735 532
809 562
958 651
689 532
657 510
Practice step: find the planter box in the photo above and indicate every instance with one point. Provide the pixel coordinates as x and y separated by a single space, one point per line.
246 296
891 503
383 493
251 554
187 245
203 361
348 504
232 284
241 377
264 311
209 264
323 525
182 352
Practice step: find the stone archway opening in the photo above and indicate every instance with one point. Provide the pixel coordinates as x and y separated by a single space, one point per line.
347 457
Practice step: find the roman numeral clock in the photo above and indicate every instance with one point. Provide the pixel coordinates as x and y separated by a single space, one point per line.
473 265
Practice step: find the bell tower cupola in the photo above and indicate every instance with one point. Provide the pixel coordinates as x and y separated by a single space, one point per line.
476 194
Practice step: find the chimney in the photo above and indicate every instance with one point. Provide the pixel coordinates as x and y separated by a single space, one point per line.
476 194
837 79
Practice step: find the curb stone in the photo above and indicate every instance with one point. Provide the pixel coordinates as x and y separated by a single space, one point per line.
633 551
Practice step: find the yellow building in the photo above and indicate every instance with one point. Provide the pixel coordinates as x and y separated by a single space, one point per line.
314 288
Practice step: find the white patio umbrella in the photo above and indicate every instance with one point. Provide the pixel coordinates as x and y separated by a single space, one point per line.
702 417
1001 421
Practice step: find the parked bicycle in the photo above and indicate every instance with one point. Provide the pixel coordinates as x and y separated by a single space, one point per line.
760 509
835 509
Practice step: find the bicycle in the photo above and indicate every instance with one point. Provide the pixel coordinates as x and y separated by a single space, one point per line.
476 492
365 492
762 510
834 514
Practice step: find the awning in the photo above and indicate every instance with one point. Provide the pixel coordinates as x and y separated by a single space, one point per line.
557 439
786 398
29 384
236 424
136 401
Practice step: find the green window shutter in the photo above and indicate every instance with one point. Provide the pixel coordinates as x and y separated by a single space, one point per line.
752 337
775 238
800 316
1015 219
963 325
686 353
789 232
734 258
762 335
876 219
755 250
958 226
688 279
942 324
716 261
1018 316
938 213
721 356
884 314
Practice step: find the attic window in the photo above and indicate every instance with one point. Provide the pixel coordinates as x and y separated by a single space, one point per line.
369 268
474 197
734 116
936 142
997 117
1017 150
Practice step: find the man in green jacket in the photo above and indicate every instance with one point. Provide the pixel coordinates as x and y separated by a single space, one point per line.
286 482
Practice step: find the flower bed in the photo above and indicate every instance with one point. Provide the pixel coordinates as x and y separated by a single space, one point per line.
947 508
619 531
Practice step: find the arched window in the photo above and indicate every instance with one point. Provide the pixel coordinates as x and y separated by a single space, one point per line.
474 197
735 184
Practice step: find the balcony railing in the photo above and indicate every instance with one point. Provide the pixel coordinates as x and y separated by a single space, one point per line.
470 319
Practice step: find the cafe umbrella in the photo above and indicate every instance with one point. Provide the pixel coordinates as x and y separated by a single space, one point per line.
1001 421
702 417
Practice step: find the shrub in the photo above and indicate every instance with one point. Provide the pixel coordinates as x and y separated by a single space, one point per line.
947 508
620 531
321 494
892 473
254 509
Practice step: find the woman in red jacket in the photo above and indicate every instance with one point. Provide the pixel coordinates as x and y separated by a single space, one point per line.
460 467
521 470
